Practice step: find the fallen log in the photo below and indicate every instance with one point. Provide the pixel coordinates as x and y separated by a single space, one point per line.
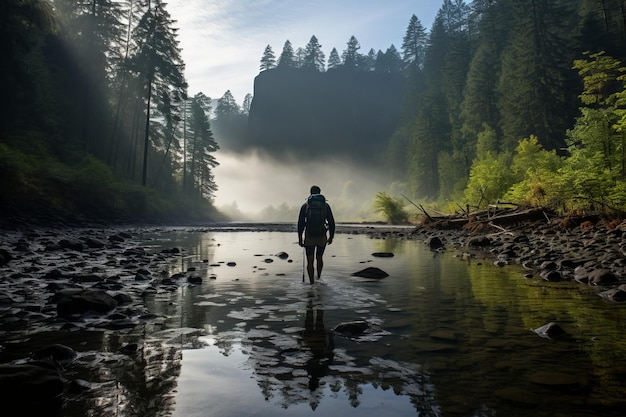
528 215
482 219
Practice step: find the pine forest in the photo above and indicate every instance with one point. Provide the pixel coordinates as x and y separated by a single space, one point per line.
520 101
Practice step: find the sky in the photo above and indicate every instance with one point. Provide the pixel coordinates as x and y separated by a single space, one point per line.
223 41
222 44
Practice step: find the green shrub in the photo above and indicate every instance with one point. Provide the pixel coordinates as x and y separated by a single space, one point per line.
94 184
391 208
16 170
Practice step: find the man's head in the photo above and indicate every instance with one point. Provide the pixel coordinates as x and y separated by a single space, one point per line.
315 189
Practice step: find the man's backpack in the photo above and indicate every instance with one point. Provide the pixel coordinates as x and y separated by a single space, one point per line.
316 215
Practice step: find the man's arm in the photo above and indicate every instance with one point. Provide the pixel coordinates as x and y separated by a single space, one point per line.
331 224
301 224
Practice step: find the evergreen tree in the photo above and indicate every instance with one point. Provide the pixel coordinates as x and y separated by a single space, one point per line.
287 58
603 26
92 30
268 60
370 60
414 43
389 62
159 62
350 56
533 78
24 27
432 121
424 148
492 23
247 103
202 146
227 108
334 60
458 54
313 56
299 58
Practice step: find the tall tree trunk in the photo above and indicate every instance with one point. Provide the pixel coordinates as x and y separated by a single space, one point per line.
184 148
146 141
113 149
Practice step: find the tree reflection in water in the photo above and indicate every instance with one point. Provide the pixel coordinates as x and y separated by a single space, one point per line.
302 365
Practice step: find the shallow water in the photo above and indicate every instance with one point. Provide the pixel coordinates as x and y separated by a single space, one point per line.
448 336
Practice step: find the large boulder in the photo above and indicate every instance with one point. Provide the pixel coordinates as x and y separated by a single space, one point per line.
57 353
371 273
617 295
602 277
5 257
479 241
78 302
434 242
550 331
352 328
360 330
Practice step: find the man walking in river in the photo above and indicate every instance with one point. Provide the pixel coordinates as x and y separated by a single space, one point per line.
317 224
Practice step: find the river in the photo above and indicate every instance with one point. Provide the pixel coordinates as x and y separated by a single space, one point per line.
447 335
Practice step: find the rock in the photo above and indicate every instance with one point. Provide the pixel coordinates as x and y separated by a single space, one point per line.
94 244
194 280
602 277
551 276
53 274
58 353
172 251
116 238
614 294
550 331
371 272
72 244
479 241
549 266
282 255
354 328
135 252
74 302
382 255
142 276
129 349
30 390
5 257
122 298
434 242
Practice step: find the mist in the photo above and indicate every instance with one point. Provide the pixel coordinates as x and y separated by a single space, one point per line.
255 186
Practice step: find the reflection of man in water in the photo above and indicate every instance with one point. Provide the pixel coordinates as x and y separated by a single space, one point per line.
319 342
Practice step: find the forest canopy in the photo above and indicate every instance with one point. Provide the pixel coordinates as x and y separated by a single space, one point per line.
506 100
501 100
96 117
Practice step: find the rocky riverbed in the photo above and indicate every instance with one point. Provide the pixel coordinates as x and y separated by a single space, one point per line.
58 282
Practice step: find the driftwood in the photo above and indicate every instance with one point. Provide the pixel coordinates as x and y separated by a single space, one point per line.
496 219
493 217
